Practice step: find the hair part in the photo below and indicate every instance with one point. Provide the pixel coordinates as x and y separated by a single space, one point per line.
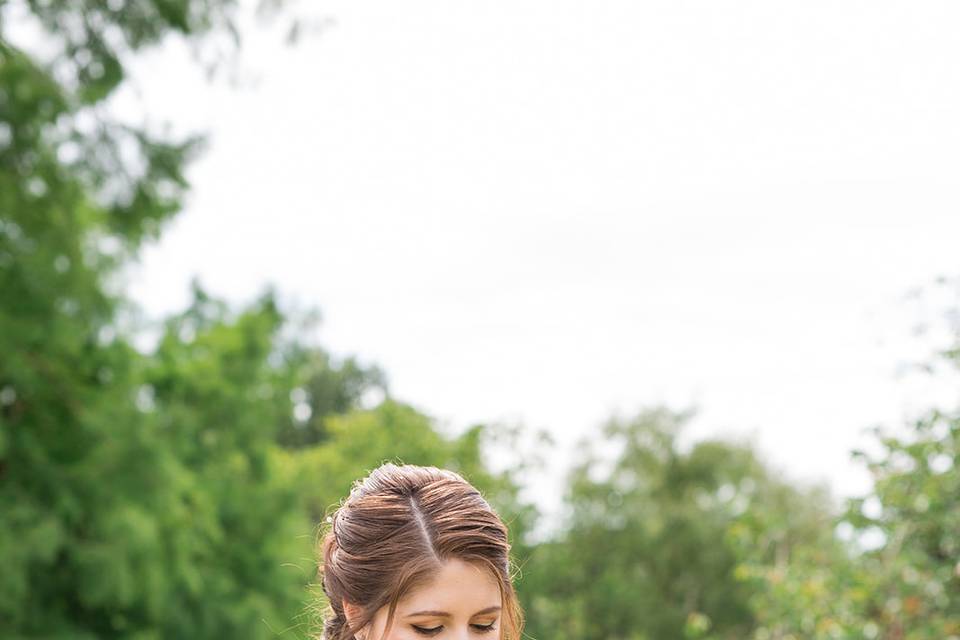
394 532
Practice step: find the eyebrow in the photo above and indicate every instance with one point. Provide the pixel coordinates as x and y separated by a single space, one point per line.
444 614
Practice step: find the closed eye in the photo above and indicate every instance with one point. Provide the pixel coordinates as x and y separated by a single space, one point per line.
482 628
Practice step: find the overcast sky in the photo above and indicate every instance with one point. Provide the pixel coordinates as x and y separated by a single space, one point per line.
544 212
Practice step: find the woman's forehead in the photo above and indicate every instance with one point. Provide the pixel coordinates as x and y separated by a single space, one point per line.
458 588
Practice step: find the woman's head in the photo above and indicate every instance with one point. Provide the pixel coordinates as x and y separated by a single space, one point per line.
416 552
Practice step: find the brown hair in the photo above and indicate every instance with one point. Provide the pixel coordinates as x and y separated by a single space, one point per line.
392 533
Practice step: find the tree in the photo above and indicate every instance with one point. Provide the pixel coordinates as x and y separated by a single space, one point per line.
327 388
110 524
897 576
654 537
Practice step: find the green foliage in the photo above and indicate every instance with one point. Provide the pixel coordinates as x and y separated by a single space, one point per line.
898 576
110 525
126 491
654 539
326 389
906 584
167 507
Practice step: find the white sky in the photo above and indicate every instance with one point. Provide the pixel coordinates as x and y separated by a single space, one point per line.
547 211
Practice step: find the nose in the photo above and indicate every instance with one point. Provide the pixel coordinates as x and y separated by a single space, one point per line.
461 633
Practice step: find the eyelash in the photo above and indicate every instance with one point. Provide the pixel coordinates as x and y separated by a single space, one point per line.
429 632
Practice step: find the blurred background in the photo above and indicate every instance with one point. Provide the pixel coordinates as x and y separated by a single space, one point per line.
673 283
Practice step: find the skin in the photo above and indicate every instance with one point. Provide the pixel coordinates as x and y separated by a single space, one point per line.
460 589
